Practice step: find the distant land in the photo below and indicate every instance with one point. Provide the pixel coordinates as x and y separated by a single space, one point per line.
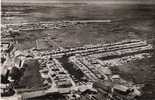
83 1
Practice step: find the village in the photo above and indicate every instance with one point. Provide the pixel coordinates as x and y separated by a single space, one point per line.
72 72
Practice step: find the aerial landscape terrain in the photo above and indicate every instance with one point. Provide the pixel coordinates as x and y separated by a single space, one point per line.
78 51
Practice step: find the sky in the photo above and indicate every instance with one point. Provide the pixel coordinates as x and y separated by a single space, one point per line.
80 1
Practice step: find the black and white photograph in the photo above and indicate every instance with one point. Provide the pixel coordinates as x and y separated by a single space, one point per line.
77 50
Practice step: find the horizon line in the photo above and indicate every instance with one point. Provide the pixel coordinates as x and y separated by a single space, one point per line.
79 1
